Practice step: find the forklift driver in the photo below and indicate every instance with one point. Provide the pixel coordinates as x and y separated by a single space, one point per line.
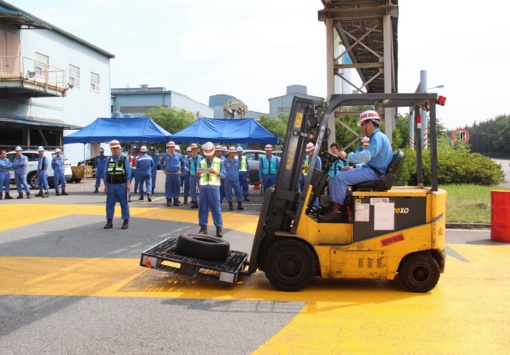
377 157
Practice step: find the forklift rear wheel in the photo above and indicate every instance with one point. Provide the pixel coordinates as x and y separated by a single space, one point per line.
203 246
290 265
419 272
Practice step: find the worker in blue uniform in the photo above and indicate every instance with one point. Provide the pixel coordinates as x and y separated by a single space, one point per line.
268 168
154 171
218 152
59 176
244 173
194 164
42 174
185 175
232 180
211 172
310 148
100 163
370 163
5 166
19 164
144 165
117 177
172 164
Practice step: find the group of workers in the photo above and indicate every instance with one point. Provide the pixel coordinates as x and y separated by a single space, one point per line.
19 165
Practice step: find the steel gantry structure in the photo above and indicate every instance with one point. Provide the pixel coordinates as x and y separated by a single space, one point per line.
362 35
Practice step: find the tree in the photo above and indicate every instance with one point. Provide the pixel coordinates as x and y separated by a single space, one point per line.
170 119
275 125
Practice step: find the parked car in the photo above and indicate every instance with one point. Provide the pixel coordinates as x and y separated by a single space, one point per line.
32 156
253 157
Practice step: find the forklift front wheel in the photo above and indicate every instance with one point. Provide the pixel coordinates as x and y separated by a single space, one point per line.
290 265
419 272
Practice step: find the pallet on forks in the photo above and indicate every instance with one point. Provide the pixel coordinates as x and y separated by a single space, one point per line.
164 257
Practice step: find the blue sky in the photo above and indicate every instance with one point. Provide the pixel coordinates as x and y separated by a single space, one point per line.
254 49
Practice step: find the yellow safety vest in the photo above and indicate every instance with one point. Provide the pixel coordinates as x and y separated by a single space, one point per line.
243 165
210 179
305 171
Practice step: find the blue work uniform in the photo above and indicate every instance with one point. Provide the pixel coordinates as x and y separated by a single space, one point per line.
42 173
59 176
173 165
5 166
116 173
244 173
378 156
154 171
210 193
232 179
100 168
306 162
185 176
222 186
268 169
335 168
19 163
194 164
144 165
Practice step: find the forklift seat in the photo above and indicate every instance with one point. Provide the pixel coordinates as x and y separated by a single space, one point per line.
386 181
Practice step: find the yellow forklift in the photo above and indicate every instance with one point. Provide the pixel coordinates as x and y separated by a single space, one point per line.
389 231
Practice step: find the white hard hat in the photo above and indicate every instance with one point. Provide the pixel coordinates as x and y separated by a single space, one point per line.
58 151
101 149
143 149
18 148
170 144
177 147
115 144
239 149
208 149
193 146
40 149
232 149
218 147
310 146
369 115
188 149
268 147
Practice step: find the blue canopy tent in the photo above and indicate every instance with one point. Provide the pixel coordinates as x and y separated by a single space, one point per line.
141 129
241 131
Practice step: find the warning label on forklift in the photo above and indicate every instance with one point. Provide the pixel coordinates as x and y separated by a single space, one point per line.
362 212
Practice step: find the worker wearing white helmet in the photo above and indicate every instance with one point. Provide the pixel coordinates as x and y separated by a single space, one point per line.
194 164
19 164
42 173
132 161
232 180
268 168
244 173
154 172
144 165
59 176
173 165
309 150
117 177
211 172
100 164
373 162
5 166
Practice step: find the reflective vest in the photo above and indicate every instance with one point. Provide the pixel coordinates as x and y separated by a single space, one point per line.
243 164
210 179
116 171
269 168
194 163
307 163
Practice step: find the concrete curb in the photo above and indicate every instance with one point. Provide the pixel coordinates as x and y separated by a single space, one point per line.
468 225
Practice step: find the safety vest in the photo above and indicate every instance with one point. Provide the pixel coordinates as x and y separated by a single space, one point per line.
305 171
116 171
210 179
193 165
269 168
243 165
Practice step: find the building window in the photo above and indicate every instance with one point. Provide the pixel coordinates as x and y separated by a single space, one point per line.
94 82
74 76
41 66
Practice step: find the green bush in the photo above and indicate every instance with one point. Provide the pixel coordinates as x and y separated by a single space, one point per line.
454 167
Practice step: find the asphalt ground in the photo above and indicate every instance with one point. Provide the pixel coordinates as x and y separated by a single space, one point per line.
68 286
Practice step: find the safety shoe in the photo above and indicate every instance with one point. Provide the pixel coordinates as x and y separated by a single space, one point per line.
20 195
176 202
125 225
57 193
185 200
246 198
203 229
141 198
230 206
149 198
64 193
333 215
47 194
7 196
129 198
219 232
96 190
240 205
169 202
194 204
28 195
108 224
40 194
